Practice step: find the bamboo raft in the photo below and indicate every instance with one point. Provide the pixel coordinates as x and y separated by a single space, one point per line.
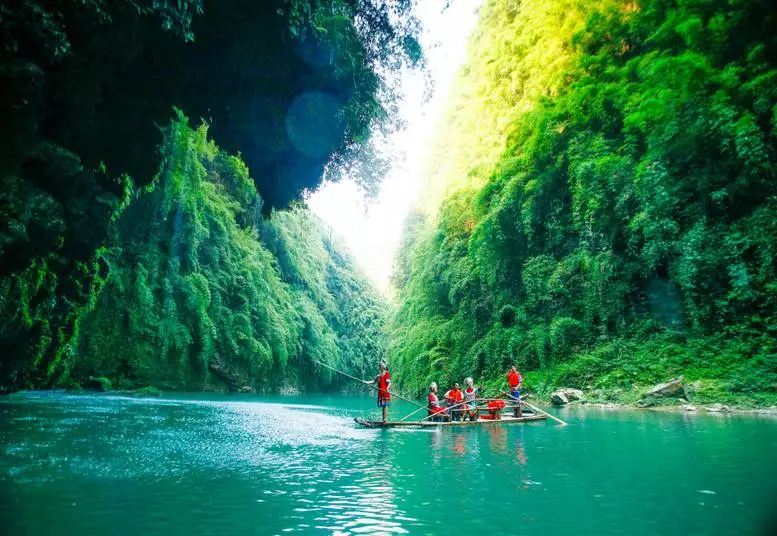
536 413
506 419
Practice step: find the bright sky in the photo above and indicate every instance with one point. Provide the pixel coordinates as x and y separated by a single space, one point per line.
372 228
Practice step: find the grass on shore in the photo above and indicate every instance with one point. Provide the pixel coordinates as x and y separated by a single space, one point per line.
739 372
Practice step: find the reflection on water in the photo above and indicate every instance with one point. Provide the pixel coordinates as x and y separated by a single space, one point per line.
458 446
465 441
520 454
497 438
97 464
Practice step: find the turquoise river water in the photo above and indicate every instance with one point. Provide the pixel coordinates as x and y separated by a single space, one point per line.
219 464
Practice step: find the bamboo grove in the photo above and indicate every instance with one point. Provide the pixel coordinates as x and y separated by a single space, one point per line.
106 262
601 203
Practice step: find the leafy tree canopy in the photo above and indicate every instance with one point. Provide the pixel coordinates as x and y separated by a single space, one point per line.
86 89
196 290
605 180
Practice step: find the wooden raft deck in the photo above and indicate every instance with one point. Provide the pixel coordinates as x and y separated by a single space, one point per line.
506 419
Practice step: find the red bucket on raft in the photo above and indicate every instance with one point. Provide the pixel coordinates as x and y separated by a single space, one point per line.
494 409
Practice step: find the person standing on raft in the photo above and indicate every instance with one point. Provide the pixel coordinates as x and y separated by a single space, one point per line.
514 380
383 379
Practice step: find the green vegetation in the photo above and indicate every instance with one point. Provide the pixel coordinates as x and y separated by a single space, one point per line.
292 85
203 293
199 291
601 205
147 391
604 204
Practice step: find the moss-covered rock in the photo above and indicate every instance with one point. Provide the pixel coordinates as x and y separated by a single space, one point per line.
98 383
147 391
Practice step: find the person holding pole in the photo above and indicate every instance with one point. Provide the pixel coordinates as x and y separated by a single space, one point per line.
514 380
383 379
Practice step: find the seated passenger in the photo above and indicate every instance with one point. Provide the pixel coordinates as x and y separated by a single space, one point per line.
434 405
454 397
470 396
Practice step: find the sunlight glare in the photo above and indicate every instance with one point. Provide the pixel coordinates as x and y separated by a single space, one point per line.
372 229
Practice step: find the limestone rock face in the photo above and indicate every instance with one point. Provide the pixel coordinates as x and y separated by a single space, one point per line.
673 388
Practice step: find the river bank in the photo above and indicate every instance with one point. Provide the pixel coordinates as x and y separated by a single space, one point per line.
716 408
640 398
737 374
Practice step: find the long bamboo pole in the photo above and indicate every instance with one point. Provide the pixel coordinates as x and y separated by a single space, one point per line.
366 383
535 408
475 401
419 409
412 413
448 408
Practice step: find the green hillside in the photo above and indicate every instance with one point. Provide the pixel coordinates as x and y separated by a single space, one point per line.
602 205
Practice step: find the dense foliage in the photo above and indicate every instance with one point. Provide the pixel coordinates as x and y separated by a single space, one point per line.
203 293
604 201
85 86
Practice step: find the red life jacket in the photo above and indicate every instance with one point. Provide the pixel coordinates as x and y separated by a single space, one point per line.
383 385
454 396
514 379
434 404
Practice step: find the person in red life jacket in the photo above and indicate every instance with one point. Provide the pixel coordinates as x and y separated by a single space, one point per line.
514 380
434 406
471 397
454 397
383 379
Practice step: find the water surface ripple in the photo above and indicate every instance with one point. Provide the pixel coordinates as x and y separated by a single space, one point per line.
205 464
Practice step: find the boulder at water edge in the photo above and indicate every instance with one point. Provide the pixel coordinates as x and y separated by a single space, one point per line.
565 395
559 399
573 394
672 388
